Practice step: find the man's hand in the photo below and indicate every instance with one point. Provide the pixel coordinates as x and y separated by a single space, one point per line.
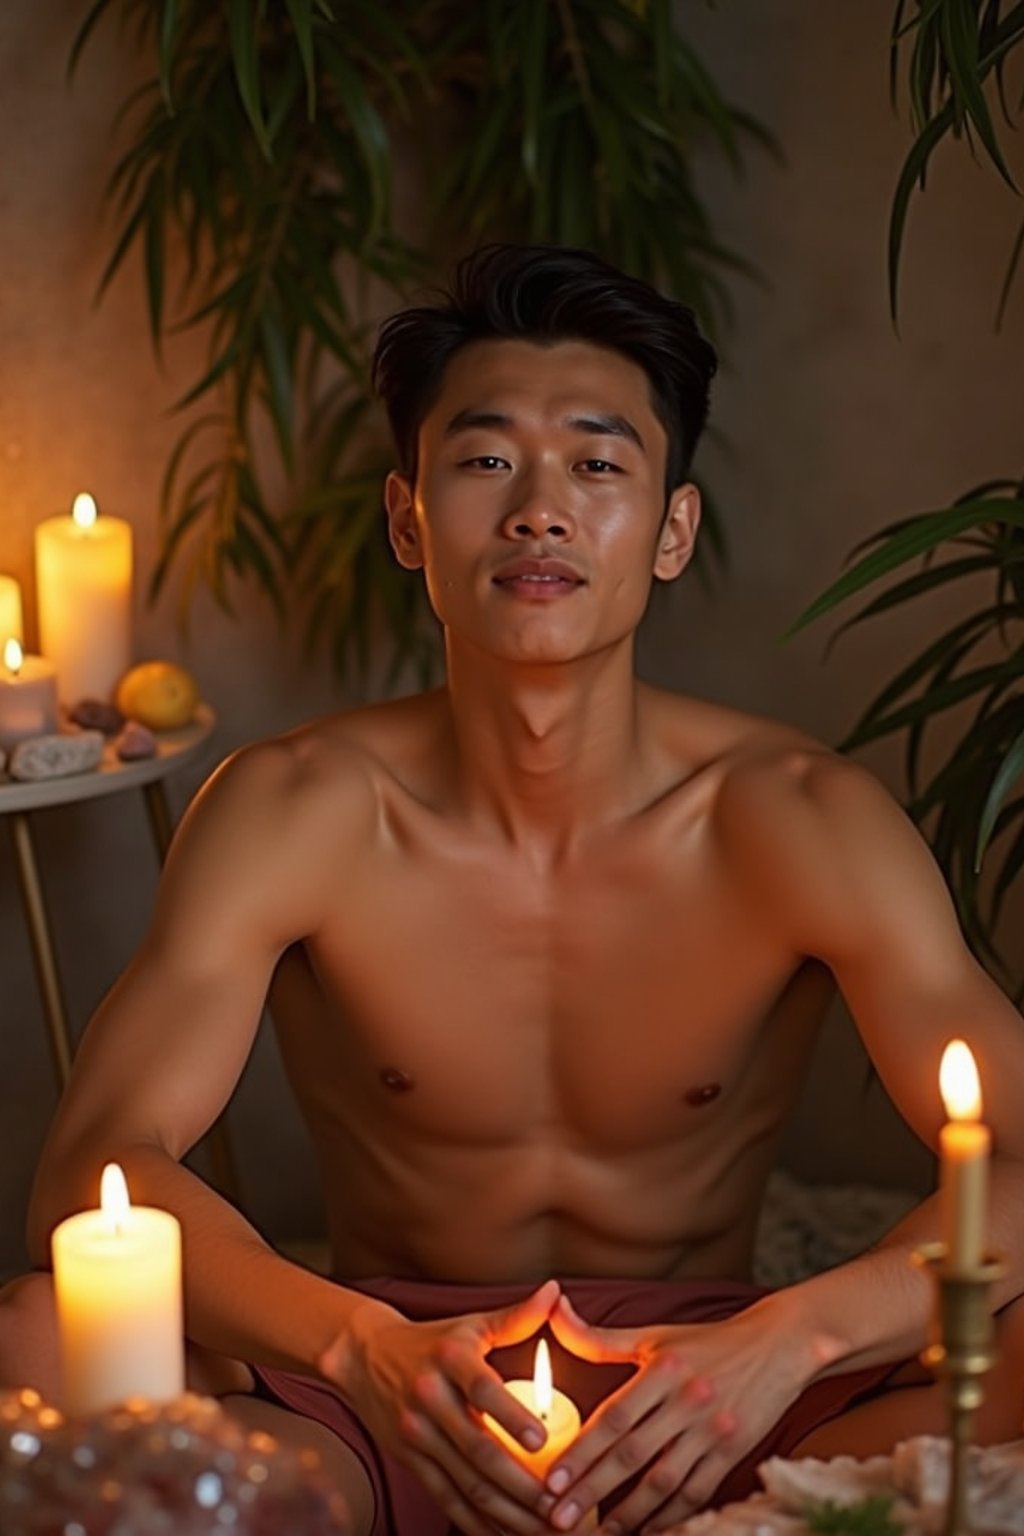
422 1388
703 1396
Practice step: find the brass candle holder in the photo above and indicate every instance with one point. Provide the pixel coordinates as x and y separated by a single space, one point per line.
962 1351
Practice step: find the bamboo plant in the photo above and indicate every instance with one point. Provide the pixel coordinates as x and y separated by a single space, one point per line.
258 182
953 56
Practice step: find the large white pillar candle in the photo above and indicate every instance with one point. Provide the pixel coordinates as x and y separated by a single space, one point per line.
117 1275
11 623
84 584
28 696
964 1144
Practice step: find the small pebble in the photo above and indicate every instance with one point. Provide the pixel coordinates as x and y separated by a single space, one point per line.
97 715
135 742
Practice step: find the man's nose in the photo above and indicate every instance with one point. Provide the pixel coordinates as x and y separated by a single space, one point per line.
536 515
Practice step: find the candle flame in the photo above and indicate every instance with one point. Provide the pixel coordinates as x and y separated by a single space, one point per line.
114 1201
83 510
13 656
958 1082
542 1385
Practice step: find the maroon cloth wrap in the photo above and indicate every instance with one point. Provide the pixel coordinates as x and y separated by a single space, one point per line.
404 1508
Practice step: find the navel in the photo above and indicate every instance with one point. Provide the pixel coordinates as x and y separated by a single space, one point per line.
397 1080
706 1093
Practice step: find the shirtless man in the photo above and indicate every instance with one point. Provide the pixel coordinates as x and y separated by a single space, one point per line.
544 934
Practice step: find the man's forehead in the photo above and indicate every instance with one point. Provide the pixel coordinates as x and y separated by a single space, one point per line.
503 381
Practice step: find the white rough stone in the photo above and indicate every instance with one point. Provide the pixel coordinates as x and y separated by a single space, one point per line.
55 757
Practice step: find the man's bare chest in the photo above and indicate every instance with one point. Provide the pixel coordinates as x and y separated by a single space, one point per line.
621 1000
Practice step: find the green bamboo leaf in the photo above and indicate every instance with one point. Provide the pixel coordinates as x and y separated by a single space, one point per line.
301 15
84 32
911 175
959 23
154 248
168 38
933 702
277 367
244 26
369 131
186 519
1011 273
954 645
931 577
1010 770
121 247
916 537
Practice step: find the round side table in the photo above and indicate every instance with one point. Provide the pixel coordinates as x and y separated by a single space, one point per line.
18 801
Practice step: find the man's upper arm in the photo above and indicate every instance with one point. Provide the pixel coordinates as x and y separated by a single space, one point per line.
835 863
164 1050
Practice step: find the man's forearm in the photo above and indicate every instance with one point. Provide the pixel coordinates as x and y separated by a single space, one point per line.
242 1299
878 1306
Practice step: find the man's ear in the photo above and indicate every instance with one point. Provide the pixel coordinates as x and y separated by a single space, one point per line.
402 528
678 533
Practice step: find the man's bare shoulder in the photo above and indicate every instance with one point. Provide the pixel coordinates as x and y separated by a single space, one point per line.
335 766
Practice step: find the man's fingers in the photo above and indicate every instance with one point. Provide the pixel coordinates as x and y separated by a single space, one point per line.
510 1325
483 1475
444 1493
483 1389
588 1342
620 1439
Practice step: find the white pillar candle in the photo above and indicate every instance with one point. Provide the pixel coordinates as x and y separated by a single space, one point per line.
84 585
117 1275
28 696
11 623
556 1411
964 1144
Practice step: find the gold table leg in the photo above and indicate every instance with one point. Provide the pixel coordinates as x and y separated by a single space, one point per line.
222 1158
41 937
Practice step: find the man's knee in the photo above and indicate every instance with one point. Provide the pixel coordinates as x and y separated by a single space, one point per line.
28 1334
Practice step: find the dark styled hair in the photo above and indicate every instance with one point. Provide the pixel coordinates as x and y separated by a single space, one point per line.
547 294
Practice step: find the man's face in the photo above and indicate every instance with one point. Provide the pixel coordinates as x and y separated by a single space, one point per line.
538 513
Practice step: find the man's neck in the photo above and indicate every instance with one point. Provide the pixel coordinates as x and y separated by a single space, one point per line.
546 752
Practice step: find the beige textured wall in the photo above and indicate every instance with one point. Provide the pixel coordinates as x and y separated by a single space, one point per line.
833 425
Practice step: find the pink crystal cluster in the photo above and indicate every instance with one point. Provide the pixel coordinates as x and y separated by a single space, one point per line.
183 1469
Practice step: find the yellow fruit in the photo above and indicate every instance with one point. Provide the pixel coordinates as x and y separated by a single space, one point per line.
159 694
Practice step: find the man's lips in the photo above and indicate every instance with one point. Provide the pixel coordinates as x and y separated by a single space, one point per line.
538 576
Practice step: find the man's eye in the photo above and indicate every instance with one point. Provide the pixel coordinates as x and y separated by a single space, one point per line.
600 466
485 461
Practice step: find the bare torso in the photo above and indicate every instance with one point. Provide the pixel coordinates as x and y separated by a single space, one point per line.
515 1067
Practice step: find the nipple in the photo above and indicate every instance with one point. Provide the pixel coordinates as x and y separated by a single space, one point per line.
397 1080
705 1094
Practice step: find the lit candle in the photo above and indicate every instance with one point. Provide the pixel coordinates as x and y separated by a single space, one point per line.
964 1145
84 582
11 622
28 696
557 1412
117 1275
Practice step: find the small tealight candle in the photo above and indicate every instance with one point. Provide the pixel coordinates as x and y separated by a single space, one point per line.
28 696
964 1144
84 580
12 625
117 1276
557 1412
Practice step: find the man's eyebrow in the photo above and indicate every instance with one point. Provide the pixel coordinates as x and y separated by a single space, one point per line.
463 421
607 426
594 426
